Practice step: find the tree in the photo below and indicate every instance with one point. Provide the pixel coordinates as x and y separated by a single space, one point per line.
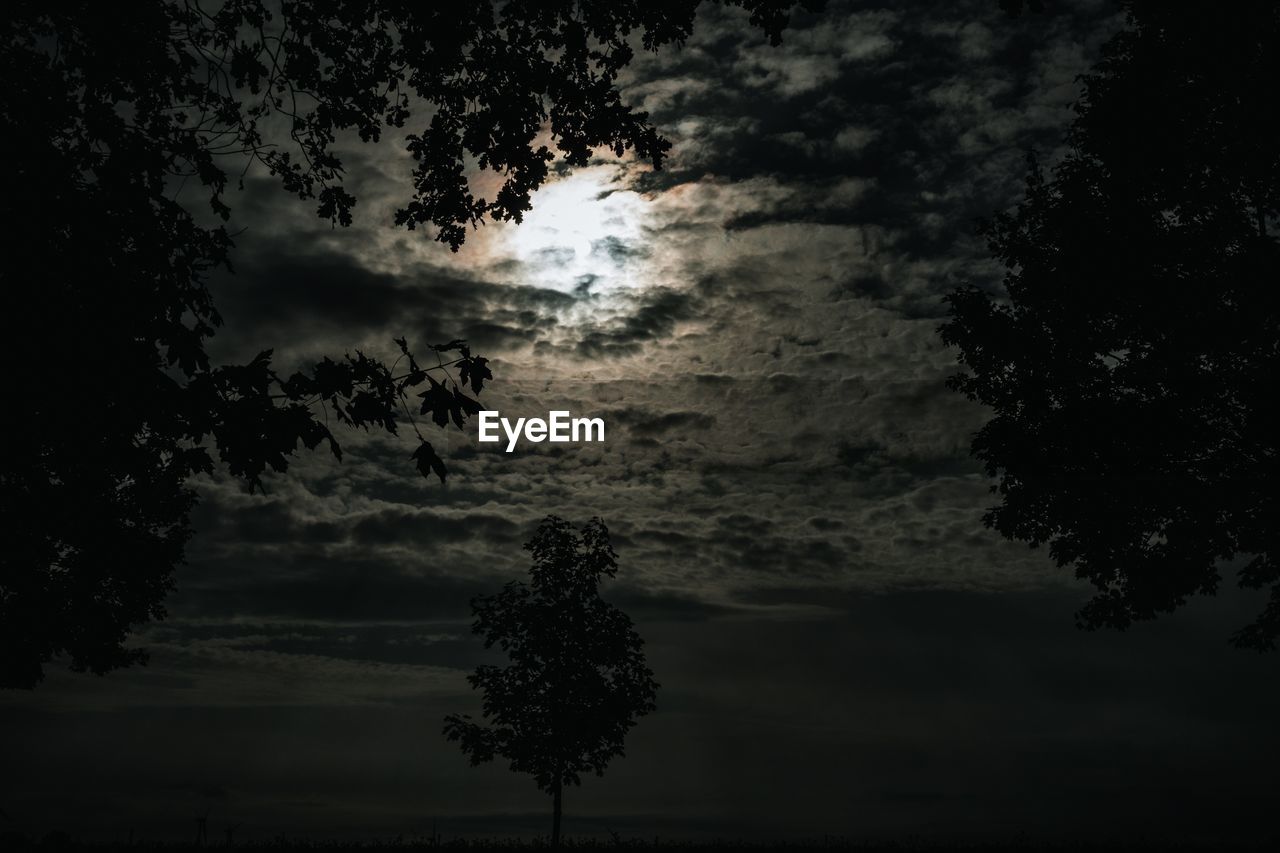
108 113
1131 361
577 680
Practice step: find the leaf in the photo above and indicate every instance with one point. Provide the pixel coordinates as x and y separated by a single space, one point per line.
333 379
438 401
428 462
415 378
367 408
465 403
455 344
197 459
299 386
476 371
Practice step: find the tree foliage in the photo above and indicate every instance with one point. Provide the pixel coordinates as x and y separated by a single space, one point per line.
1131 362
577 681
110 115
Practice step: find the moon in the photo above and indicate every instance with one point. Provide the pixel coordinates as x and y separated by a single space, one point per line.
585 234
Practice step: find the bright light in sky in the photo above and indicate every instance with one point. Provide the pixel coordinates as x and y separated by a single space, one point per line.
584 234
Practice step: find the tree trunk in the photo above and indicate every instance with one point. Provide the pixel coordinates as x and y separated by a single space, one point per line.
555 815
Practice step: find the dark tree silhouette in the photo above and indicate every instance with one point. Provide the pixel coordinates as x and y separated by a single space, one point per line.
106 114
1131 363
577 680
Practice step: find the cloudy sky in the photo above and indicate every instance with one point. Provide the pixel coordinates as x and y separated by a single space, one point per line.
842 647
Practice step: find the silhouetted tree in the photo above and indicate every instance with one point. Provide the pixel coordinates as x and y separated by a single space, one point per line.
106 112
1131 363
577 680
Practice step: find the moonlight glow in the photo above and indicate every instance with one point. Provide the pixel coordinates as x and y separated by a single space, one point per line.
585 234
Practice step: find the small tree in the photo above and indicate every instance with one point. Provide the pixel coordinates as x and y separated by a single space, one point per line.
577 680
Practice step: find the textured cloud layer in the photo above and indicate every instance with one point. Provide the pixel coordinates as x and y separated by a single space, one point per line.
756 323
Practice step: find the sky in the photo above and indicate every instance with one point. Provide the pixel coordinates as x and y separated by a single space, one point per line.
843 648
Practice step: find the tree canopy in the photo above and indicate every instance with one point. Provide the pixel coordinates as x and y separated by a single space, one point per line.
1130 362
105 111
577 681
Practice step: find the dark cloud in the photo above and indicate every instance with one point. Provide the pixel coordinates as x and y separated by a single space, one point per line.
423 528
653 316
645 423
